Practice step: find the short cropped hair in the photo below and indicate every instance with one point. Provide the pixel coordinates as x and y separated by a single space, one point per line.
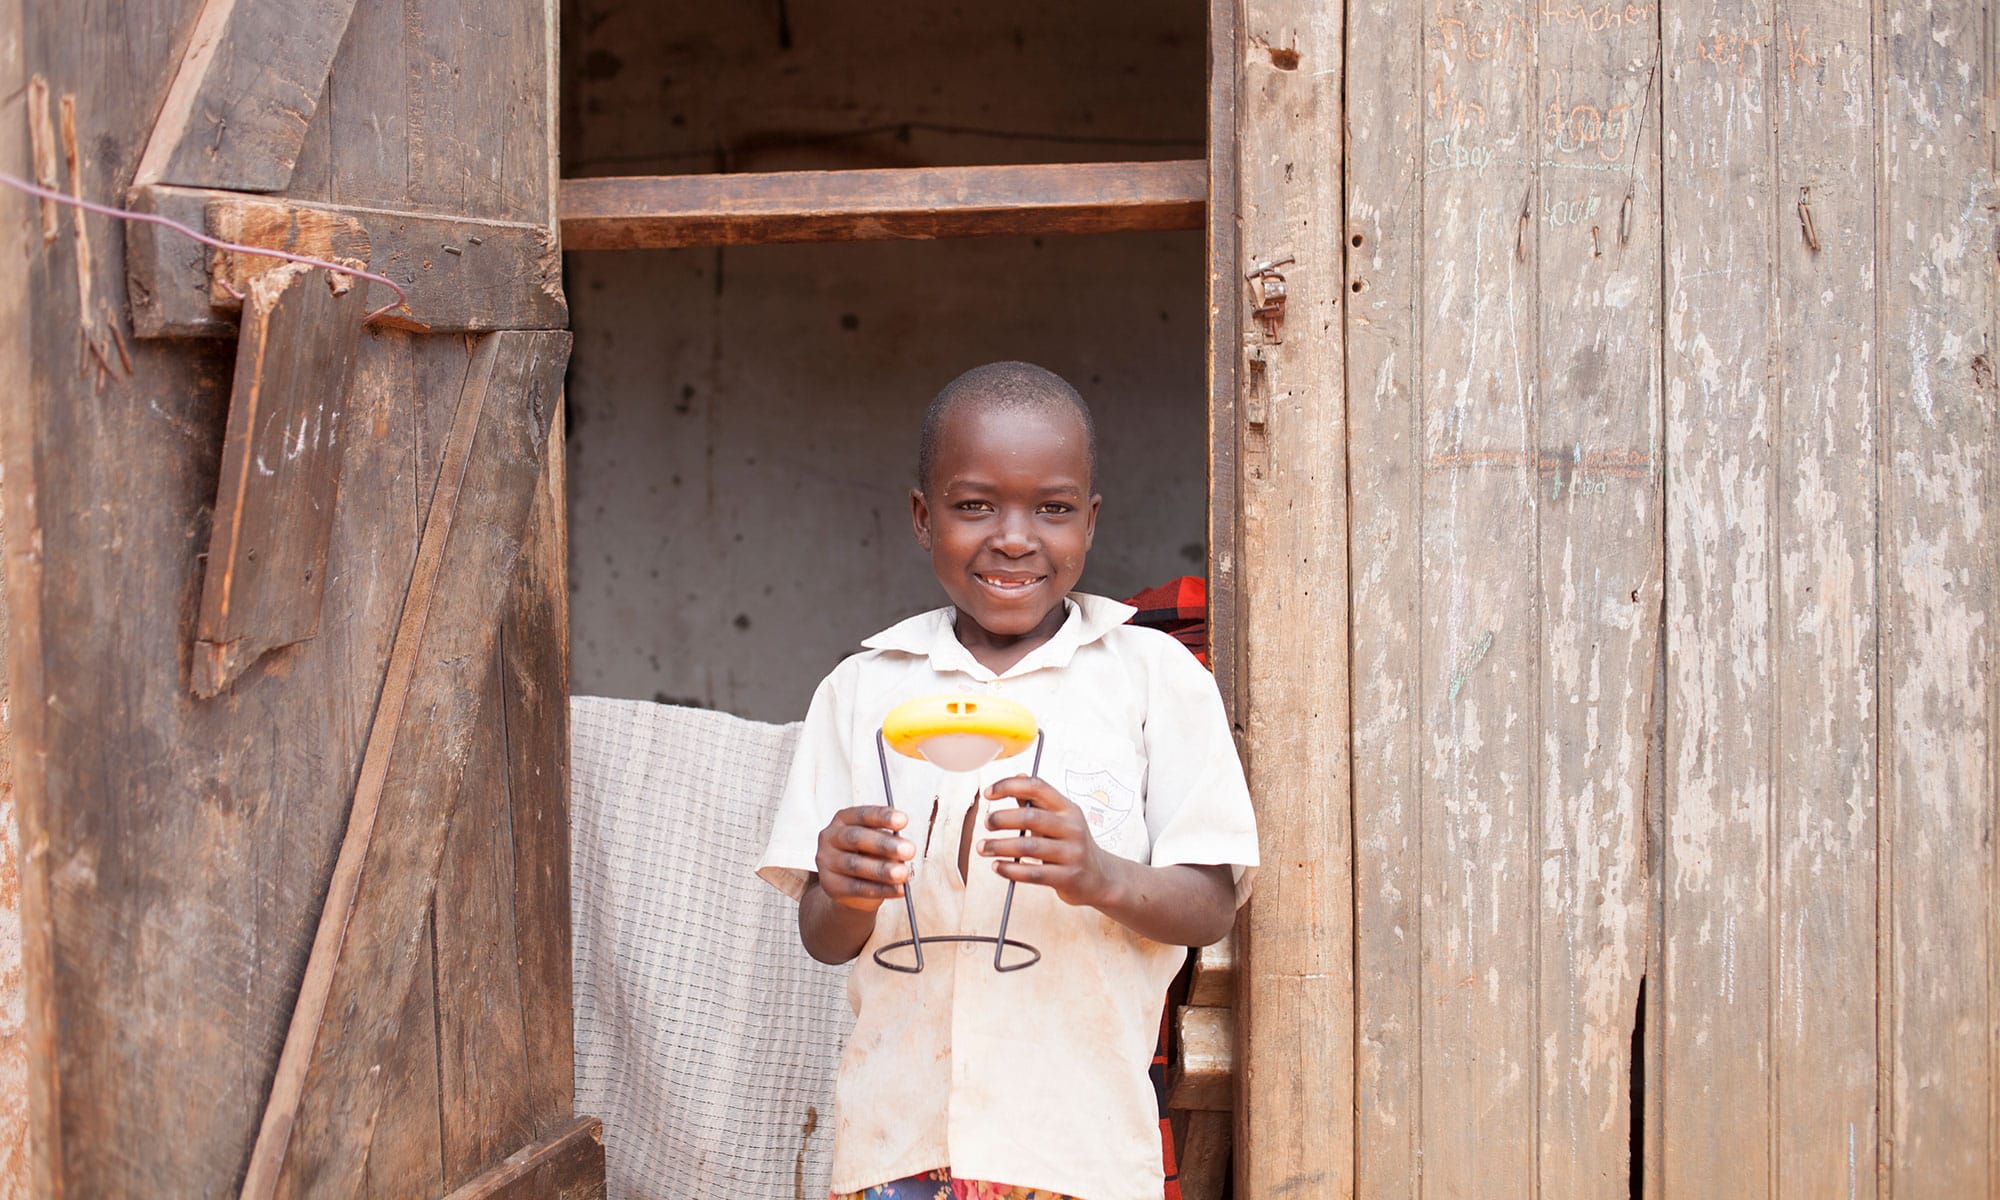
1002 385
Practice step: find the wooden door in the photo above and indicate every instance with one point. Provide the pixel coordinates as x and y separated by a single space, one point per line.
287 588
1608 398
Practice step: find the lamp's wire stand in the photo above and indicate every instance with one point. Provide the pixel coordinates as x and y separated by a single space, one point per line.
916 941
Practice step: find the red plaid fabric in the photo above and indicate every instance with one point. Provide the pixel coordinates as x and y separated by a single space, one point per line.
1178 607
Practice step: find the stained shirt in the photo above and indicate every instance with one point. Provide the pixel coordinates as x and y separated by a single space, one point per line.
1036 1077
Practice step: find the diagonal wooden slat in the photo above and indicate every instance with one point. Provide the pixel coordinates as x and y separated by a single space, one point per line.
247 87
317 1126
566 1166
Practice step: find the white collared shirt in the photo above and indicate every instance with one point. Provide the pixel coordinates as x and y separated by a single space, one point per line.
1038 1077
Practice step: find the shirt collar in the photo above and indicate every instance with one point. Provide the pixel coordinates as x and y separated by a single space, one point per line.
930 635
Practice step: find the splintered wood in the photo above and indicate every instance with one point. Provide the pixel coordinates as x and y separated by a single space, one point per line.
280 470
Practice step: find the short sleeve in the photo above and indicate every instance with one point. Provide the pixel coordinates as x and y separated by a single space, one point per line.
818 785
1197 801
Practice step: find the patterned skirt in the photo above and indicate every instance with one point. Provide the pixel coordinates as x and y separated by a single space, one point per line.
939 1185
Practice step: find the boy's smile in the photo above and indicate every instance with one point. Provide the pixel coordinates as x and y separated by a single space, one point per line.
1007 516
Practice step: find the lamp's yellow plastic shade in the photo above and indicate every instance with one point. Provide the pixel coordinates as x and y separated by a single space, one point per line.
959 733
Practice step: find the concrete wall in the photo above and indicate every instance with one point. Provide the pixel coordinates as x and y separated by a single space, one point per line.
743 421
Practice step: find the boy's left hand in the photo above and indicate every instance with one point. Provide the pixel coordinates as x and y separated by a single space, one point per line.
1057 836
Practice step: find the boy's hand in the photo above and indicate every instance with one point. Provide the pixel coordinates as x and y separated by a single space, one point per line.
1057 836
861 860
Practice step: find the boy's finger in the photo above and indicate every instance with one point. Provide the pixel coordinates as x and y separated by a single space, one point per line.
1014 818
873 841
868 867
1028 789
1048 822
875 816
1048 850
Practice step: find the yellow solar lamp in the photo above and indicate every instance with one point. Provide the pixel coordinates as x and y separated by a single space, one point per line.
959 734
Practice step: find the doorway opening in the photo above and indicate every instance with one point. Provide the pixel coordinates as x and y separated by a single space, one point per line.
742 418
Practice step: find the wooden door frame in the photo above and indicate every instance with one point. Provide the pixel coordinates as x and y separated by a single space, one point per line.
1278 533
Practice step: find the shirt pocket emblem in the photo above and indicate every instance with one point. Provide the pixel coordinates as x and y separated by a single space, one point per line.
1106 803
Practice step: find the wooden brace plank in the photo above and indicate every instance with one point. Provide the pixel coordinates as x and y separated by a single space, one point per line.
1205 1073
280 471
1204 1160
247 87
373 923
567 1166
655 212
461 275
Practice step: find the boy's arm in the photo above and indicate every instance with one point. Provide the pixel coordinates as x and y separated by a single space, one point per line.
1178 905
832 933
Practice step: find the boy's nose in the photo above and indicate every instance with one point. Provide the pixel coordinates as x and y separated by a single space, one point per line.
1013 537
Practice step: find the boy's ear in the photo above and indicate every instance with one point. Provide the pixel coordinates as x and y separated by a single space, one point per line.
920 518
1090 521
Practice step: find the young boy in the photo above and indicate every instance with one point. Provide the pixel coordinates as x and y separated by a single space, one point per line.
1132 843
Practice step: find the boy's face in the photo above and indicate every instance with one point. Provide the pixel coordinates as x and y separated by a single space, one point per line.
1007 516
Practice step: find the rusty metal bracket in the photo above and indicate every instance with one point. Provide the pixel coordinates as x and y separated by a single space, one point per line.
1267 292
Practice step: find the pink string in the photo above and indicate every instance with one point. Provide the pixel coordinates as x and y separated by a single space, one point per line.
126 214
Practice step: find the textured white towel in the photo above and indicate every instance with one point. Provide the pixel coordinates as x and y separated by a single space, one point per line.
706 1039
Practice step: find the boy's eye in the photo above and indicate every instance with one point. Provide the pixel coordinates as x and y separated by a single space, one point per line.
972 506
1056 507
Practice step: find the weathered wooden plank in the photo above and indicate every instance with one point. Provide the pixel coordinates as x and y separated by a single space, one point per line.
435 105
1385 144
246 90
535 661
460 274
1479 629
1296 970
1225 649
403 1154
1212 984
1598 443
1825 628
1721 507
374 920
166 275
482 1058
1204 1074
1938 300
1204 1160
503 927
369 117
922 202
566 1166
27 1114
266 571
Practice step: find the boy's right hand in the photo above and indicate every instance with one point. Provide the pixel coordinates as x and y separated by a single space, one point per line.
861 859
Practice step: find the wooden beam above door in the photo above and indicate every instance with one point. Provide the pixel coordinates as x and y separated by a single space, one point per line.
660 212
